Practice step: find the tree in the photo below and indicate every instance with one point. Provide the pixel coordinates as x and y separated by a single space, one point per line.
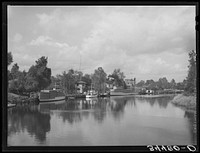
10 58
118 77
87 79
191 78
39 75
15 71
141 83
172 84
163 83
68 80
99 80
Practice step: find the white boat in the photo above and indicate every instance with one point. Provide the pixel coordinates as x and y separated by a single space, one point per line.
11 105
91 94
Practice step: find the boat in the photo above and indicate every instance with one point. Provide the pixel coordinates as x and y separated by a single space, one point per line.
91 94
55 94
11 105
122 92
51 95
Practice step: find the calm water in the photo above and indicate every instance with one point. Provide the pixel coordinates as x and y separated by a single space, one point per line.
110 121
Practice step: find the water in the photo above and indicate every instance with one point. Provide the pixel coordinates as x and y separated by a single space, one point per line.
101 122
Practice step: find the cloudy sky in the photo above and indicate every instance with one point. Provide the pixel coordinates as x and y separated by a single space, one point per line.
144 42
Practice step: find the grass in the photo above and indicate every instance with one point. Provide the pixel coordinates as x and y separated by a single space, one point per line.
12 98
188 102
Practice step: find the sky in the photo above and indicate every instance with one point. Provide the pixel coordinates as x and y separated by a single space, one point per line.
145 42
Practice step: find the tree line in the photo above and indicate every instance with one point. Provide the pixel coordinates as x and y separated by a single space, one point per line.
39 77
188 84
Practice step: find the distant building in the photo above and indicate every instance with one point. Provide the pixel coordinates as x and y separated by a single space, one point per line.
130 83
80 85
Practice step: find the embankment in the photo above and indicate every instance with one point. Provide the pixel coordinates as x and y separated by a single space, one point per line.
18 99
187 102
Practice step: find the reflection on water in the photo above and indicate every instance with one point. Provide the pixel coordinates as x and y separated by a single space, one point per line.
30 119
102 121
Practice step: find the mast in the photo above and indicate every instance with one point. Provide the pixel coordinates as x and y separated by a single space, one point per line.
80 68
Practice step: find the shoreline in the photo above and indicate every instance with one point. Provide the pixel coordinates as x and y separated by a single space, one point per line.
154 96
18 99
186 102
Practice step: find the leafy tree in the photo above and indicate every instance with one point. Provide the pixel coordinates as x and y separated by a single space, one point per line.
172 84
68 80
191 78
163 83
87 79
15 71
39 75
118 78
99 80
31 79
141 83
10 58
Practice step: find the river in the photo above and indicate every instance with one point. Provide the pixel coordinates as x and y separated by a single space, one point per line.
123 121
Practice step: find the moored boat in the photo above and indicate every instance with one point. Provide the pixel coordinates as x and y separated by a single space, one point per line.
11 105
91 94
51 95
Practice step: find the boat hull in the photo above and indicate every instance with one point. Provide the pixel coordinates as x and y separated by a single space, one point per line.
91 96
53 99
11 105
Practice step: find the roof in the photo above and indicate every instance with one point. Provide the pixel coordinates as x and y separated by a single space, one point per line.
81 82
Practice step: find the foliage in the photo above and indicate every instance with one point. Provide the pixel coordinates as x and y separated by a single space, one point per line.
10 58
99 80
14 71
17 85
191 78
141 83
118 78
87 79
68 80
38 77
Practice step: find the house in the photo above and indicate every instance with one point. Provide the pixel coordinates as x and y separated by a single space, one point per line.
80 86
130 83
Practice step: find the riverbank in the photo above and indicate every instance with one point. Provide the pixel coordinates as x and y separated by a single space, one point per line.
154 96
187 102
18 99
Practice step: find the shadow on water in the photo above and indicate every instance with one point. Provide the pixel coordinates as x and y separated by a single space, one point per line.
161 101
76 110
191 115
36 119
28 118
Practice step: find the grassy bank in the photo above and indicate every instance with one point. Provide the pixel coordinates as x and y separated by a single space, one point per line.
187 102
18 99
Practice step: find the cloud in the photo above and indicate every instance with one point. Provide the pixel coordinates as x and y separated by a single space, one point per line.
144 42
17 38
45 40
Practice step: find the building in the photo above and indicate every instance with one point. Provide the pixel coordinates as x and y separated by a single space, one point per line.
130 83
80 86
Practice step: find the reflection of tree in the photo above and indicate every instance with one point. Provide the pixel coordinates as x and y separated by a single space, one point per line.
78 109
162 101
100 109
191 115
36 123
71 117
117 106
